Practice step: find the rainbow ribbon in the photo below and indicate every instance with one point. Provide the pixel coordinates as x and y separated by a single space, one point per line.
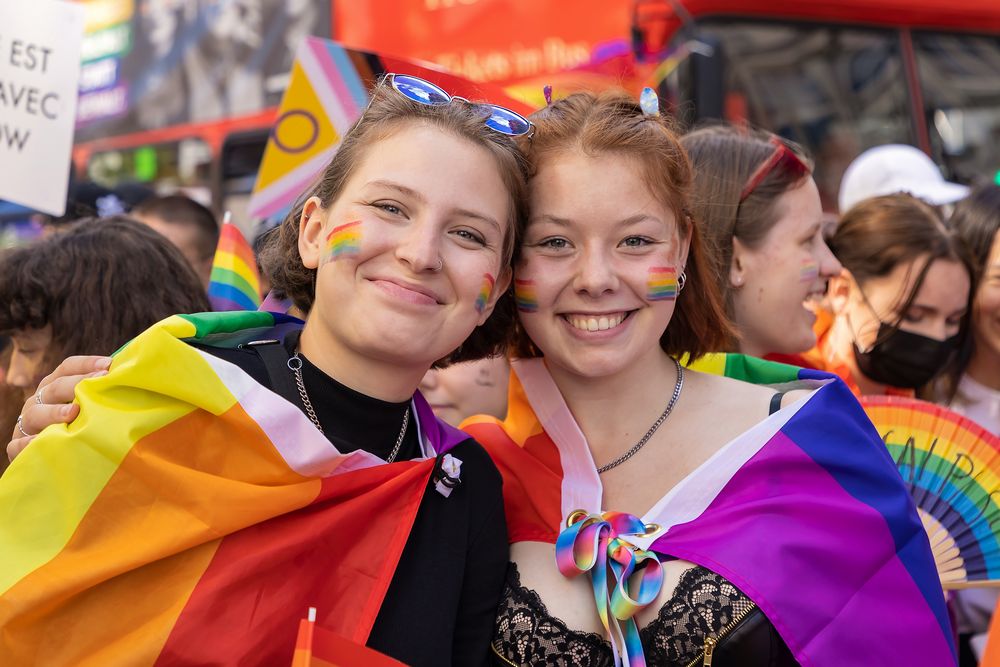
593 543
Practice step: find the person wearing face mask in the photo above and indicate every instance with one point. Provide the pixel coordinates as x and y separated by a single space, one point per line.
758 206
901 304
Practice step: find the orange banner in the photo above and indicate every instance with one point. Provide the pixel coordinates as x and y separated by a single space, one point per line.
485 40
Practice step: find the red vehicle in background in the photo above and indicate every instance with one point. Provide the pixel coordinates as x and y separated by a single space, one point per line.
183 92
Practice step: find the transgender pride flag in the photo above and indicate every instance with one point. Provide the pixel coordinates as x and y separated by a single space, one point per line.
804 512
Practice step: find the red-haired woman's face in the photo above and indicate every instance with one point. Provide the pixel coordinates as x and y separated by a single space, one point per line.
597 281
775 281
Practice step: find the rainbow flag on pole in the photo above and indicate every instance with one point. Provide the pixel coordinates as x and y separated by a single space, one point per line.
235 283
805 513
316 646
188 511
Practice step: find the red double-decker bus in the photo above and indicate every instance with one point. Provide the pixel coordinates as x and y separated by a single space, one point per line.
183 92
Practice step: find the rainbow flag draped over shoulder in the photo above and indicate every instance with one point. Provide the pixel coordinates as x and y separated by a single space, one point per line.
235 283
189 515
805 513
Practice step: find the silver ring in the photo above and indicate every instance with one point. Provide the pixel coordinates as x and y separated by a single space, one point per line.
21 428
38 396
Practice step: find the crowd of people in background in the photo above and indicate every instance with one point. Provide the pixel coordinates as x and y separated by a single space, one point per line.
569 221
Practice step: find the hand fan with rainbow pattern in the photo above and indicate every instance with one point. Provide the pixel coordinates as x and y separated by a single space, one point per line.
951 466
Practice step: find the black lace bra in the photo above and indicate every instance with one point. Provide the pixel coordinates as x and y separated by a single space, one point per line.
703 604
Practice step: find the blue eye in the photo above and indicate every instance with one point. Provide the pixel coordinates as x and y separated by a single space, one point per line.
636 242
391 209
470 236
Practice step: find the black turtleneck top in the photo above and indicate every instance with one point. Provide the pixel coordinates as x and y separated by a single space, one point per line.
441 604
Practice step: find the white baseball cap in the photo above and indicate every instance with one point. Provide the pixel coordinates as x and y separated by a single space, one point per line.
886 170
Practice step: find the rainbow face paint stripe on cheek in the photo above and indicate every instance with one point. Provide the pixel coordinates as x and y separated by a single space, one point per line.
524 296
662 283
484 292
809 271
344 240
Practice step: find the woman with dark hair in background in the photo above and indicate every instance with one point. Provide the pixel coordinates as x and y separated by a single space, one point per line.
901 305
89 290
758 207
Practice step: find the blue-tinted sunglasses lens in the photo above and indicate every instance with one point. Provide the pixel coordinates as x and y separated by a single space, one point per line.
419 90
507 122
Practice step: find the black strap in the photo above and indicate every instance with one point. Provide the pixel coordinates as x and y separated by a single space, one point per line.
275 358
776 402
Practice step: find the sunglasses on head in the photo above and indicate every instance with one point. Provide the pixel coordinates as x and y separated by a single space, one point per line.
782 155
499 120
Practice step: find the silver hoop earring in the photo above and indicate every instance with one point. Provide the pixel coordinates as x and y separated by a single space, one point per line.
681 281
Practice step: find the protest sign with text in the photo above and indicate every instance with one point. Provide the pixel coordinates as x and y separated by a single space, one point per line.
39 73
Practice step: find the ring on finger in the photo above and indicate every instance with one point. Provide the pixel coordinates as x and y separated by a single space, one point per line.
38 396
21 428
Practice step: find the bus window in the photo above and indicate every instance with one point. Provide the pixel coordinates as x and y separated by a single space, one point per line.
176 166
241 157
960 81
837 90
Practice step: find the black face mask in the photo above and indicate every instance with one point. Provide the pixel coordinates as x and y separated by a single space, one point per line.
904 359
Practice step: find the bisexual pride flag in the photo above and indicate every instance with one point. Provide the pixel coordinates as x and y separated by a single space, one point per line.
189 514
805 513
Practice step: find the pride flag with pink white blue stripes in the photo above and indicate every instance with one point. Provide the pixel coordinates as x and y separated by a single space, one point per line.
804 512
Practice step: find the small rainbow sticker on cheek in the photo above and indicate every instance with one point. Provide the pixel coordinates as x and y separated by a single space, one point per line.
484 292
344 240
662 283
809 271
524 296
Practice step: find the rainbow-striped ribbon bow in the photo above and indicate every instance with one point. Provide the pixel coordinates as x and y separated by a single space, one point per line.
594 543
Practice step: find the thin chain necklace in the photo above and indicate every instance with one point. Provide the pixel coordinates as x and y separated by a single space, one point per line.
295 365
652 429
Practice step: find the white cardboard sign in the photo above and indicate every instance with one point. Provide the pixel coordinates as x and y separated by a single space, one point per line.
39 72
